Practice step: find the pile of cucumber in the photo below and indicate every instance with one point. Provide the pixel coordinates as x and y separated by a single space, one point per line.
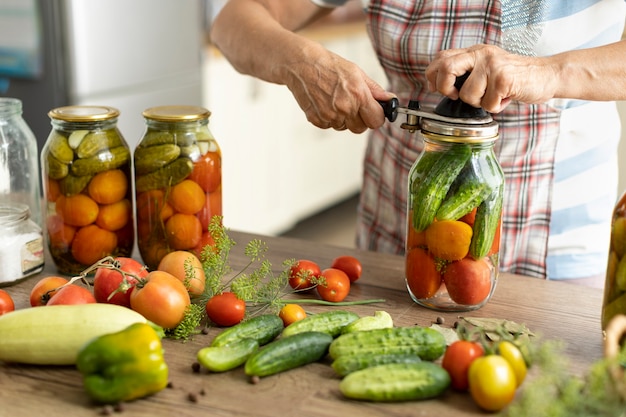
376 361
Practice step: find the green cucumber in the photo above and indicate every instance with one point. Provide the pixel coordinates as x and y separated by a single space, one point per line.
380 320
424 342
396 382
463 199
330 322
428 194
263 329
347 364
287 353
227 357
486 224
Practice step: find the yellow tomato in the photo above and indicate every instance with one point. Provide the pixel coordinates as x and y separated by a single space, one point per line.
492 382
290 313
514 357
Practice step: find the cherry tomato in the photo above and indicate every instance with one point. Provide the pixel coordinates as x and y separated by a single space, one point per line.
514 357
108 281
71 294
225 309
291 313
492 382
468 281
350 265
160 298
44 289
6 302
301 273
336 286
457 360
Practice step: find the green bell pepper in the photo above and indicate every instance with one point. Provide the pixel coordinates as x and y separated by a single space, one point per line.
123 366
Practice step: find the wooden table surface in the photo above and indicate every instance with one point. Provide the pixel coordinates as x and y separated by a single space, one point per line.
552 309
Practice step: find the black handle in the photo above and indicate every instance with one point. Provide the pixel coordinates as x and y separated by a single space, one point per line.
390 107
459 109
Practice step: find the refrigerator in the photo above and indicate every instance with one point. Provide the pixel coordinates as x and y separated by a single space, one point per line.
126 54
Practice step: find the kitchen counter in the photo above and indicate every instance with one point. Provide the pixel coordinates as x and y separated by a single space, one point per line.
552 309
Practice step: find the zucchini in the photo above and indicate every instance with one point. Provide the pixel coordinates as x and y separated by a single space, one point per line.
396 382
347 364
262 329
380 320
330 322
430 192
227 357
288 353
424 342
53 335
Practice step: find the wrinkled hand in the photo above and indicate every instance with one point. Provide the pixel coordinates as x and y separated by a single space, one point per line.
336 93
496 78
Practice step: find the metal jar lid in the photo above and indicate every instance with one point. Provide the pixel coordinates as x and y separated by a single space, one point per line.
465 132
84 113
176 113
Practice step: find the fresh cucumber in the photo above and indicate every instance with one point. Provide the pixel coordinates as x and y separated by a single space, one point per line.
330 322
227 357
424 342
396 382
380 320
429 193
463 200
347 364
486 223
263 329
287 353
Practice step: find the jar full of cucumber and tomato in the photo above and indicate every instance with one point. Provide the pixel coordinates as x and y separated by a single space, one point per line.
614 302
178 182
87 182
454 212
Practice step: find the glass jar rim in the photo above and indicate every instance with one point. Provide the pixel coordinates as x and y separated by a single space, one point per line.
10 105
464 132
176 113
12 213
84 113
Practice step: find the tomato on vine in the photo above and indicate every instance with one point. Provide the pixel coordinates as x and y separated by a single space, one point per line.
225 309
44 289
302 274
72 294
161 298
457 360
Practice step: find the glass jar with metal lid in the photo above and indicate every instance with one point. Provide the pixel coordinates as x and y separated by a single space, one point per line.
178 182
455 193
614 302
86 170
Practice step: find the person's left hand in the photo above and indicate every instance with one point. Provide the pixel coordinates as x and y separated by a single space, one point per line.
496 78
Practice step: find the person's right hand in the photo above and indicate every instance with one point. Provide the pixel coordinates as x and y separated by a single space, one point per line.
336 93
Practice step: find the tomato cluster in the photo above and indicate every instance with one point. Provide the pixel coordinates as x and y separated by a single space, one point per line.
333 283
491 374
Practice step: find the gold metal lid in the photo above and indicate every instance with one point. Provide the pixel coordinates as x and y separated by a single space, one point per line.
176 113
84 113
465 132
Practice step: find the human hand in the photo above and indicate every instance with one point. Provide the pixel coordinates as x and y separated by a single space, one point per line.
496 78
336 93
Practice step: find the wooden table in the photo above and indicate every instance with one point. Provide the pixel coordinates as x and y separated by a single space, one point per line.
553 309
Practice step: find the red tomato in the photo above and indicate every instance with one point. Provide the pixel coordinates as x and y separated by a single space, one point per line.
457 360
6 302
225 309
336 286
291 313
107 281
422 276
72 294
350 265
161 298
44 289
468 281
301 273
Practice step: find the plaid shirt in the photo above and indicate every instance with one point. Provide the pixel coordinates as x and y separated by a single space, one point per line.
406 35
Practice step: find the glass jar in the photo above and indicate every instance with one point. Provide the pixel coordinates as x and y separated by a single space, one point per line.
178 182
86 175
19 167
21 244
454 210
615 284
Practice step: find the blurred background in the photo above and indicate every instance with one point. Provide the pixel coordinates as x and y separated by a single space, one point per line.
281 175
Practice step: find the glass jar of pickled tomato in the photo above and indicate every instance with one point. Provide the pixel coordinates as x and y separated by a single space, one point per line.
178 182
615 284
455 193
86 173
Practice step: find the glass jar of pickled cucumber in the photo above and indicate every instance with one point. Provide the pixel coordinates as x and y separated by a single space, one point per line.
178 182
615 284
86 173
455 193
